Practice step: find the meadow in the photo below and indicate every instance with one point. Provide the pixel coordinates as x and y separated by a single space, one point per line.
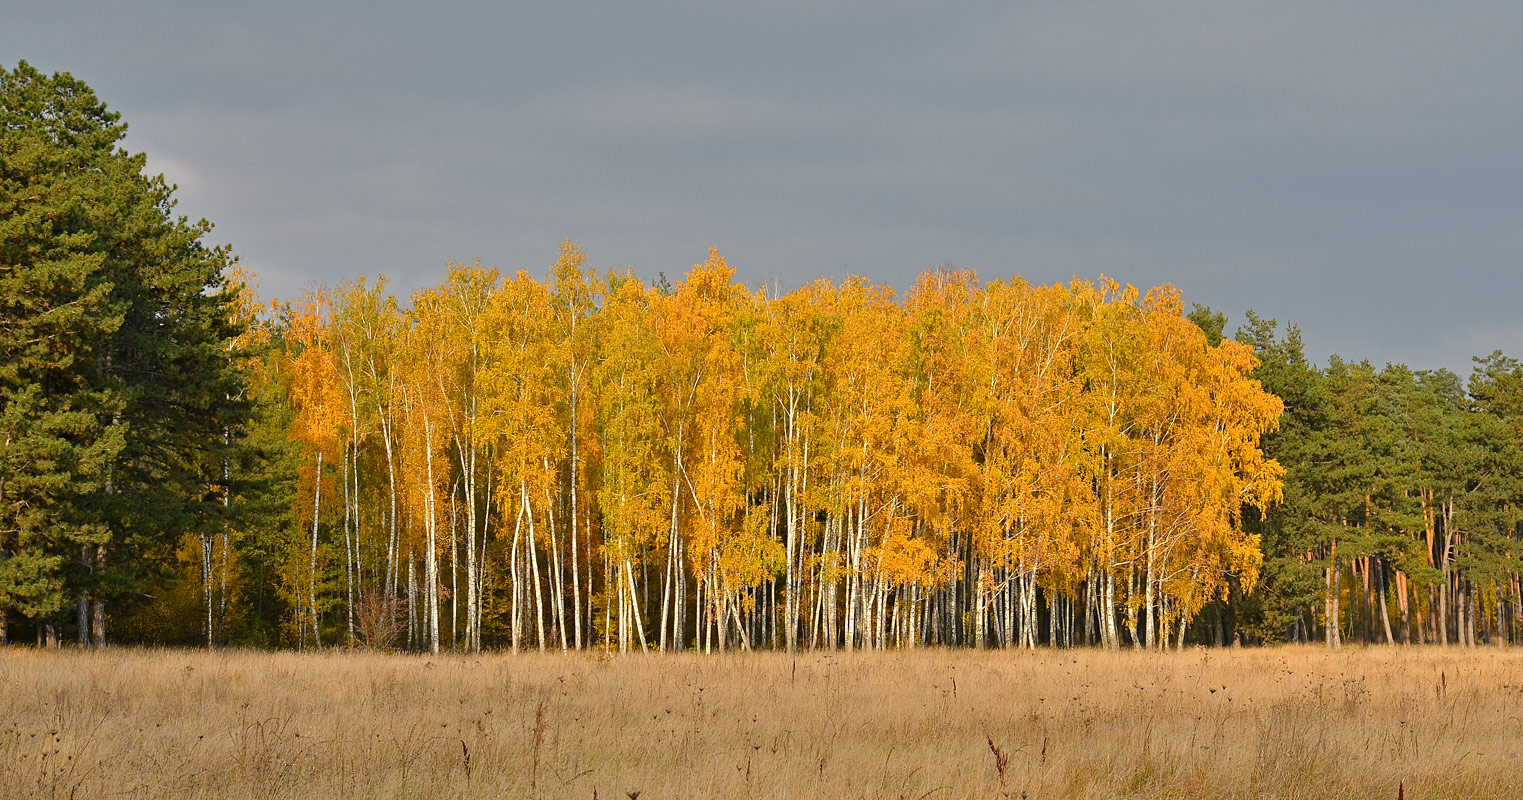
1263 723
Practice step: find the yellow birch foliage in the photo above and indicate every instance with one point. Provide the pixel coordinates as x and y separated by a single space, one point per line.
635 470
975 439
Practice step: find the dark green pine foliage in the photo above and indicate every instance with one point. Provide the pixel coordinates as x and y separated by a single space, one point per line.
1433 410
1490 529
116 382
1394 413
265 476
1212 323
1341 473
1403 501
57 313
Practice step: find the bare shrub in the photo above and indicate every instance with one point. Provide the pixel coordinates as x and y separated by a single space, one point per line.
380 621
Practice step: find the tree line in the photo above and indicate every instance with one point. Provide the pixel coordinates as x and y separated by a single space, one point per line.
1402 504
587 461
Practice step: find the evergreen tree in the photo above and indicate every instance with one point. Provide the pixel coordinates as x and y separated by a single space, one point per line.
1289 580
117 386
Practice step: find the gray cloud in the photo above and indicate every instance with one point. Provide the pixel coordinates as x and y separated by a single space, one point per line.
1350 167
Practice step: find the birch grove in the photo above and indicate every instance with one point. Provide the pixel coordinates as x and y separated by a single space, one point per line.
586 461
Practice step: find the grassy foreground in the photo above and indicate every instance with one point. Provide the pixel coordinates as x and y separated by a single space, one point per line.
935 724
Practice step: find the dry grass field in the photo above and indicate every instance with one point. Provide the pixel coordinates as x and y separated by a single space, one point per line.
1273 723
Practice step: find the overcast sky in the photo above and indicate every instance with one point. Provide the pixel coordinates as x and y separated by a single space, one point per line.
1354 168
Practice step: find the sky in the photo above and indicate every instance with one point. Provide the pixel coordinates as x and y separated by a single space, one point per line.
1354 168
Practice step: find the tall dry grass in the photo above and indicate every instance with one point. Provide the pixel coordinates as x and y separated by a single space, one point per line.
1275 723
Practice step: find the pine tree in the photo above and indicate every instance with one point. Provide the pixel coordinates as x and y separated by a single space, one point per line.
117 387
